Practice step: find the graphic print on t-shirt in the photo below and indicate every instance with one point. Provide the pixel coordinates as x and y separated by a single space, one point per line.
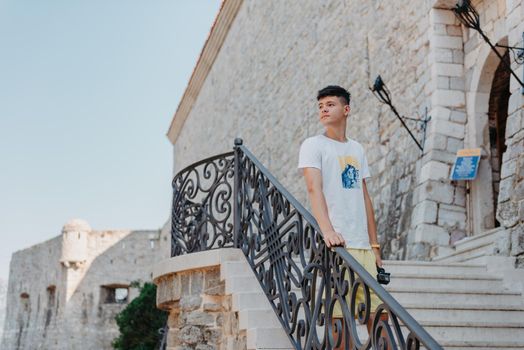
350 169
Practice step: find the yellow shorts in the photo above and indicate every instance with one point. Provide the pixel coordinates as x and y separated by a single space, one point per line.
367 259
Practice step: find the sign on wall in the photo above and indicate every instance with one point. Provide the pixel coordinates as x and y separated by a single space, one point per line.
466 164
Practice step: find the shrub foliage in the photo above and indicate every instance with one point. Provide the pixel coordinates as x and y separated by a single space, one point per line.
140 321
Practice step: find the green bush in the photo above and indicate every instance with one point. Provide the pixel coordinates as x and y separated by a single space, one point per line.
140 321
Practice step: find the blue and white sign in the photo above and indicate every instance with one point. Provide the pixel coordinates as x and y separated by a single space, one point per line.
466 164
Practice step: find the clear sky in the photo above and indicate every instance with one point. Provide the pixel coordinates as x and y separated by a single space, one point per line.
87 93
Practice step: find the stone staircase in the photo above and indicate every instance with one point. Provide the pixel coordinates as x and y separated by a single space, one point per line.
479 248
461 305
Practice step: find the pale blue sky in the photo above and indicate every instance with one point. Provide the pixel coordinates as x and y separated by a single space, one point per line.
87 92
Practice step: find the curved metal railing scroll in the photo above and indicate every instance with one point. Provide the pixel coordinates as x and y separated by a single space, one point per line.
202 206
303 279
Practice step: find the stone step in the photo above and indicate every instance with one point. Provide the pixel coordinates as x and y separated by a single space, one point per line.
474 345
466 315
500 266
484 239
477 283
499 306
268 338
500 344
231 269
465 255
243 284
433 267
250 301
257 318
472 249
423 267
448 276
481 331
421 296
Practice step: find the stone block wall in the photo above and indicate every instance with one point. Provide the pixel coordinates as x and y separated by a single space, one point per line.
263 84
262 87
200 314
439 214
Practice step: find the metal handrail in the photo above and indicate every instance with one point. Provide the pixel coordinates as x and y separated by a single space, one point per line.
369 280
283 244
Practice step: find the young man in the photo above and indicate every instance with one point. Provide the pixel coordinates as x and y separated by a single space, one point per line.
335 169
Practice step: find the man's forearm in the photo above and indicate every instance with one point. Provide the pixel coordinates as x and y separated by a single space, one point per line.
372 227
370 214
319 207
320 211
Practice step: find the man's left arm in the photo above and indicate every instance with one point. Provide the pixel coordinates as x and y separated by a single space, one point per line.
372 227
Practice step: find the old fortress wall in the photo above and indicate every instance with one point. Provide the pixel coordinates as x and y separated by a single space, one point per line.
64 293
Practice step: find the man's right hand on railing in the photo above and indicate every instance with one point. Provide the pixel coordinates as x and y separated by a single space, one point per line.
333 239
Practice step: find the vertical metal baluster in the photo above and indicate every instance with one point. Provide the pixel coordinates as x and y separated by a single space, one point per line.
236 193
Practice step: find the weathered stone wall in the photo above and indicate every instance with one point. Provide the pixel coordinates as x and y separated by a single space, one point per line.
277 55
32 271
200 313
61 305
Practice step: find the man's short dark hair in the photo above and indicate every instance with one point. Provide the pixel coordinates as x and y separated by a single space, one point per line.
335 90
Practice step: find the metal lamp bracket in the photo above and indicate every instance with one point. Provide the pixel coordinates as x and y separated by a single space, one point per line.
518 56
470 18
382 93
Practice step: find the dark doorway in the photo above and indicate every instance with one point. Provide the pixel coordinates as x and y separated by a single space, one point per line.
498 114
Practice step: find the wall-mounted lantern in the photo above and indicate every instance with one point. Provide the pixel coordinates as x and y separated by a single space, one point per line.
381 91
470 18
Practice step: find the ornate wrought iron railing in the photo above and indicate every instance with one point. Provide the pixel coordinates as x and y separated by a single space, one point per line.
232 200
203 205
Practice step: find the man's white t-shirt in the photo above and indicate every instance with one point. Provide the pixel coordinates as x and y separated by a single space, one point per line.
343 166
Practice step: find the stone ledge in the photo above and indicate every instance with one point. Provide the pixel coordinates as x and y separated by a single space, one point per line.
194 261
443 4
189 287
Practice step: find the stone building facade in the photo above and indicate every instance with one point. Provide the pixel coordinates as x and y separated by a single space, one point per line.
264 61
64 293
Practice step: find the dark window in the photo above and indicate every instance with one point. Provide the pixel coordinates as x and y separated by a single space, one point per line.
24 299
51 296
114 294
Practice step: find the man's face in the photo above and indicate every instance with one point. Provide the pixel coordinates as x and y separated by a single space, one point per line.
332 111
